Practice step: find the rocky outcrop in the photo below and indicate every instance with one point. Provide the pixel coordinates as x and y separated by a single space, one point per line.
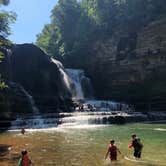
5 107
29 67
131 67
14 102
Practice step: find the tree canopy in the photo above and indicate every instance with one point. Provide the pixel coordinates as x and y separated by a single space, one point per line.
6 18
76 25
4 2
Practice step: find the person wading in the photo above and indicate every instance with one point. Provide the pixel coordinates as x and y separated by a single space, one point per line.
112 151
137 145
24 160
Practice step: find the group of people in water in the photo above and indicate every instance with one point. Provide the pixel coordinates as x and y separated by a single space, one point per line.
135 143
112 151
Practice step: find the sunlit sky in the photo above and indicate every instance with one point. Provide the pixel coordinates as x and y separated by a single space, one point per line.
32 15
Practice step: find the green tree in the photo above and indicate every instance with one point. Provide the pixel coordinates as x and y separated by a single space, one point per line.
65 17
6 18
76 25
4 2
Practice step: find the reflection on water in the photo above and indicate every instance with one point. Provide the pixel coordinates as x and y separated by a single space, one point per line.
85 145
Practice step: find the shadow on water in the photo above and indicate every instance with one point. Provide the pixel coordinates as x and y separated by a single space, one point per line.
4 150
5 154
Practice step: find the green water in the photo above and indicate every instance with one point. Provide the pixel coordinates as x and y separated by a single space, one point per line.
86 146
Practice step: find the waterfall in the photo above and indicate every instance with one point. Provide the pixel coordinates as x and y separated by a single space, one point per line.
32 102
33 120
75 82
80 85
76 88
90 111
81 89
64 76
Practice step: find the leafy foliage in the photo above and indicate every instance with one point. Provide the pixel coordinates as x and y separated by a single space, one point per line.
4 2
2 85
76 25
6 18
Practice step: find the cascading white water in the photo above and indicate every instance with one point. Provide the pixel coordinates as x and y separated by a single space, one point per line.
80 85
64 76
75 76
32 102
75 81
94 111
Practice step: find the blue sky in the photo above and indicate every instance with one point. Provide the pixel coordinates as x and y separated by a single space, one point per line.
32 15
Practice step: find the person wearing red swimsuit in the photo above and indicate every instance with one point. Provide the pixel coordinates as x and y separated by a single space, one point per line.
112 151
24 160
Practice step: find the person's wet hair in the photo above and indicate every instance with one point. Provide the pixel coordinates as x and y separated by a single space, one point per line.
133 135
24 152
112 141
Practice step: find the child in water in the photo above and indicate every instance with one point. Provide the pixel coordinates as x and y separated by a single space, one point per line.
24 160
112 151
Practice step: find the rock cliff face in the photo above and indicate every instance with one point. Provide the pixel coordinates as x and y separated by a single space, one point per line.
27 68
132 66
33 69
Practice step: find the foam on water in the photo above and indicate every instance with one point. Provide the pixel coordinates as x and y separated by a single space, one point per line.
85 126
132 159
159 129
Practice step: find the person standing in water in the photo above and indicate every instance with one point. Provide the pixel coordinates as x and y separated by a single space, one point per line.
139 148
133 140
112 151
24 160
137 145
22 131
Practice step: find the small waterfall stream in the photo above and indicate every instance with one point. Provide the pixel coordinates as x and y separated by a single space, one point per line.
34 120
32 102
